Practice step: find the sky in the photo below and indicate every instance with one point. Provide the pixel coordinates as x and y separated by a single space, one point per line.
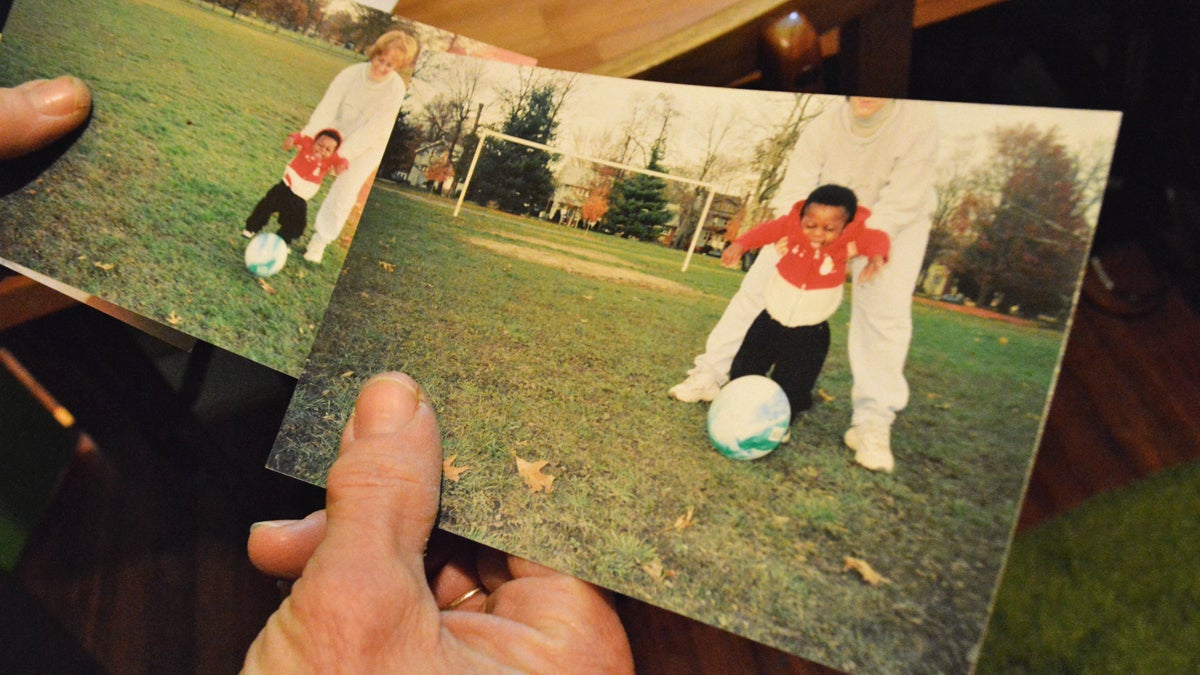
335 6
600 106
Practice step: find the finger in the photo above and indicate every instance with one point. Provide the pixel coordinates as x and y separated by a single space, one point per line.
565 610
457 585
281 548
34 114
382 492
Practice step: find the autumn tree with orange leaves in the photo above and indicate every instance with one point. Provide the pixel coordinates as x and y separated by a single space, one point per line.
1020 227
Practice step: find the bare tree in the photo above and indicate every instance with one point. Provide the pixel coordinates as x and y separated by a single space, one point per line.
772 155
717 128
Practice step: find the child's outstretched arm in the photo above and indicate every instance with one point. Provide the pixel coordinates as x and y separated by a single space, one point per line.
876 246
873 267
732 255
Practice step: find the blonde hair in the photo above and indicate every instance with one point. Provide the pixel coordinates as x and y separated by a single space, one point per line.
402 40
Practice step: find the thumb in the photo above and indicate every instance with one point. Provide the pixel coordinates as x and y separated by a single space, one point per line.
382 492
34 114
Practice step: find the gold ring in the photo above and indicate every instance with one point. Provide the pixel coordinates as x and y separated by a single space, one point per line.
464 597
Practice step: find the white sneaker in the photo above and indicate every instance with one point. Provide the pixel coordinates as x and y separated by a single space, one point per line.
315 251
247 234
697 387
872 446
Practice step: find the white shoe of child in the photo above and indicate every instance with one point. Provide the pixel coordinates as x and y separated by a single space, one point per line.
697 387
247 234
872 446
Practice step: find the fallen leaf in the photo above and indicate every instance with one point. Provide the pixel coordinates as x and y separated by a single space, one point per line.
348 373
685 521
826 396
266 287
387 266
451 472
654 568
104 266
174 319
868 573
531 473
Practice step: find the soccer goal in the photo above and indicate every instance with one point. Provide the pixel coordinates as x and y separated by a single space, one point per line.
709 188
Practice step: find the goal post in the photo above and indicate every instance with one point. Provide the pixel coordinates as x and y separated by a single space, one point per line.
488 133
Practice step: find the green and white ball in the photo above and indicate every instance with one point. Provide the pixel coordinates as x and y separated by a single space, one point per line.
749 417
266 254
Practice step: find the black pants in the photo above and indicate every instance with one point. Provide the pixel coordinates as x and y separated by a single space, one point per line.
797 354
292 210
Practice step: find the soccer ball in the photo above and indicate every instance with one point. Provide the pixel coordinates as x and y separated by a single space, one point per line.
749 417
266 254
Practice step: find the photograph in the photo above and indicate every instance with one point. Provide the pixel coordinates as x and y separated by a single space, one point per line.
776 362
231 146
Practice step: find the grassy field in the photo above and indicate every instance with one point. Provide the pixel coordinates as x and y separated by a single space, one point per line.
191 108
554 344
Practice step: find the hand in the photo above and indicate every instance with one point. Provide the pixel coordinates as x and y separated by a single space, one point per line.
36 113
367 601
288 143
732 254
872 269
781 246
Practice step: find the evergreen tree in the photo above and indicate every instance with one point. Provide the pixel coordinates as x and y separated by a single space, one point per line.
517 177
638 207
401 148
463 164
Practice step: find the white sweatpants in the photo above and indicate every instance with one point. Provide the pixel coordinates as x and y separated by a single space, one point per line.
880 326
340 199
745 305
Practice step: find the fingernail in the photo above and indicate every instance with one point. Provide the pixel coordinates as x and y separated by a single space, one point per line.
269 524
387 403
64 96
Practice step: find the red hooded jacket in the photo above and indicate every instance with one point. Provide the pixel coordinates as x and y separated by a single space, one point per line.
803 265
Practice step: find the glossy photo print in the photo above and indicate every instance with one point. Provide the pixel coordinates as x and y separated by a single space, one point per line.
573 267
213 123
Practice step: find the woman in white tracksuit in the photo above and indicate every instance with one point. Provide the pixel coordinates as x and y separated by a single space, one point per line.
361 103
885 151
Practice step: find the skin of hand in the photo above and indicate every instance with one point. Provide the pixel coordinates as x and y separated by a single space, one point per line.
732 255
871 269
36 113
369 595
